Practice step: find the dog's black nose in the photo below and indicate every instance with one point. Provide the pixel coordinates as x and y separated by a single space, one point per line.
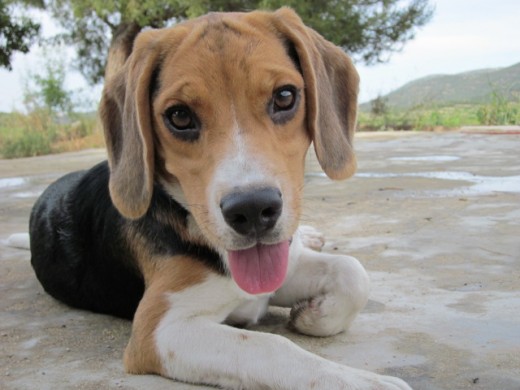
253 212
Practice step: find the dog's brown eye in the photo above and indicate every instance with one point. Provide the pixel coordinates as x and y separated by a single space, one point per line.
180 117
283 104
182 122
284 98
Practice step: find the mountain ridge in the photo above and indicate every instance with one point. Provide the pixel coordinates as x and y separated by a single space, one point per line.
471 87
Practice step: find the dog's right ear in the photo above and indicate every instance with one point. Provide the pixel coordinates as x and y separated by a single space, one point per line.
331 88
126 116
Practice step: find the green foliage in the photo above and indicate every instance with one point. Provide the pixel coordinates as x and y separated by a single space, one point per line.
30 135
28 144
427 118
380 112
47 90
379 106
16 33
38 133
480 97
367 29
499 112
50 121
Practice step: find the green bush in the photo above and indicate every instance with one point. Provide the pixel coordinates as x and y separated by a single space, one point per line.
26 144
499 112
39 132
51 124
426 117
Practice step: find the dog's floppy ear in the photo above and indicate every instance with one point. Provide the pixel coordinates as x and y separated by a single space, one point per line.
127 123
331 87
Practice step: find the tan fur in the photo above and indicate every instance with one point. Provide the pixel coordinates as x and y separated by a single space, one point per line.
247 93
225 67
167 276
124 111
332 85
242 52
120 48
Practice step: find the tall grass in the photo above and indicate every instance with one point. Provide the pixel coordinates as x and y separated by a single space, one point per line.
497 112
500 109
39 133
52 123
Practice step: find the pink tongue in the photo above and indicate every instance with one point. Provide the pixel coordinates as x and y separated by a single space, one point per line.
260 269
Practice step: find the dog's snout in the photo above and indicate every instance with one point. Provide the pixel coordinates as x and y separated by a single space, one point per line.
254 212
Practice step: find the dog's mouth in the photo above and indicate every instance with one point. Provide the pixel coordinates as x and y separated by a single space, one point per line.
260 269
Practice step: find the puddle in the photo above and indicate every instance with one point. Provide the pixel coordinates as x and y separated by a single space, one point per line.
482 185
25 187
12 182
426 158
461 176
29 344
28 194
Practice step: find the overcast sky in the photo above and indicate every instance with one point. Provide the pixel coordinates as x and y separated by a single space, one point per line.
463 35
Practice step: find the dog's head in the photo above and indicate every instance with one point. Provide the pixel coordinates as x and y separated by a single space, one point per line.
221 111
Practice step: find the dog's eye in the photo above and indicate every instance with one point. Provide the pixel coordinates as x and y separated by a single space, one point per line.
283 104
182 122
284 98
180 118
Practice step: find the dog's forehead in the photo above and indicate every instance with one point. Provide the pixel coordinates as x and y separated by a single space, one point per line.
221 44
216 30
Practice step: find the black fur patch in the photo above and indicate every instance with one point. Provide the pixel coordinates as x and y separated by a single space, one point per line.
80 245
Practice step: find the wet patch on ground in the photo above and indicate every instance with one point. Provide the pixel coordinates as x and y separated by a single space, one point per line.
438 233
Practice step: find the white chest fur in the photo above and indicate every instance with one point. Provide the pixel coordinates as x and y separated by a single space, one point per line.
249 312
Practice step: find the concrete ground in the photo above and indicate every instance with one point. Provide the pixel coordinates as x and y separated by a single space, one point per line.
434 217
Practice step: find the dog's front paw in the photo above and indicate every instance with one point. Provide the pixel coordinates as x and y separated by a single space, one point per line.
351 378
318 316
332 311
311 238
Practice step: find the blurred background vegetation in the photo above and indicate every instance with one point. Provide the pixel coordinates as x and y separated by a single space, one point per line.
53 119
49 122
484 97
100 29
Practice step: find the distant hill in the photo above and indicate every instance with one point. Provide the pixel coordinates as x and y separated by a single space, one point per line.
472 87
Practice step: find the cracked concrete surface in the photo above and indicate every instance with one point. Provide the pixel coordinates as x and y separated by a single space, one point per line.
434 217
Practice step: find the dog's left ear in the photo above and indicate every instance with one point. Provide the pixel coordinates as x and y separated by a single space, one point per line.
331 87
126 118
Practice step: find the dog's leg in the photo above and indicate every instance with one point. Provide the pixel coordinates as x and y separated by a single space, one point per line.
325 291
178 333
311 237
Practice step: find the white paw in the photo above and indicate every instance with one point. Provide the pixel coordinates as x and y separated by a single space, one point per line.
332 312
343 377
391 383
321 316
311 238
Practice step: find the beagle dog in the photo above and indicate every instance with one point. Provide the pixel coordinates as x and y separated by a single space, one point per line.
192 225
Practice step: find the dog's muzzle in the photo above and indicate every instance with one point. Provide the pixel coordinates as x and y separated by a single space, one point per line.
253 213
260 267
